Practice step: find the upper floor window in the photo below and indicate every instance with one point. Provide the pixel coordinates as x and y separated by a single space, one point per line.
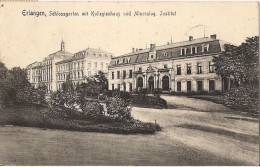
165 54
199 66
188 68
193 49
183 51
124 74
165 66
178 69
112 75
205 47
211 67
140 69
130 73
118 74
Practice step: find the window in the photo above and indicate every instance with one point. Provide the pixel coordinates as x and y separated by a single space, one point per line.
199 68
124 74
188 68
124 86
165 54
183 51
101 64
140 68
165 66
95 64
118 86
130 87
130 74
200 85
193 49
118 74
178 69
211 85
113 87
188 86
179 86
205 47
211 67
113 75
151 56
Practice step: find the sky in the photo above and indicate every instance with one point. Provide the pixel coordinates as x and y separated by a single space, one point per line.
26 39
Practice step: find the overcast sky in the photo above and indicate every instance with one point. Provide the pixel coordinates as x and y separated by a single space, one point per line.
26 39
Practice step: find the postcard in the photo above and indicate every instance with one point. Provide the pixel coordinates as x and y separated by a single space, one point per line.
158 83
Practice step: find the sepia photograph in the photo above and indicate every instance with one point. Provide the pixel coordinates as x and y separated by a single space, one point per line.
143 83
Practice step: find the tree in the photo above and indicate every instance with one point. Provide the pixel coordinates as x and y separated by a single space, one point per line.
101 80
240 62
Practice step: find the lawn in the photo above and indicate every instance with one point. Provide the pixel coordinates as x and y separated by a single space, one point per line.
42 117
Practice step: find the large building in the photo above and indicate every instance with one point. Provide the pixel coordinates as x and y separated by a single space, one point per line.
180 67
83 64
54 69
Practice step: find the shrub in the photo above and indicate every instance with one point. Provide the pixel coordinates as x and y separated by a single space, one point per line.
119 108
242 98
149 101
93 109
117 93
157 91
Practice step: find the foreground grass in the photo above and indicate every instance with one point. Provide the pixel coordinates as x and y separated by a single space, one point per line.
42 117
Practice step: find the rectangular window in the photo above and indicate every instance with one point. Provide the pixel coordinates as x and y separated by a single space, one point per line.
178 69
113 75
130 74
183 51
124 74
130 87
200 85
118 86
95 64
124 86
211 85
179 86
211 67
188 68
118 74
165 66
113 87
140 68
188 86
101 64
199 68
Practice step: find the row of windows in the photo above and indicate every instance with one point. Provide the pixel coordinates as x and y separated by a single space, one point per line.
130 74
194 49
78 66
123 86
199 86
199 68
73 75
123 60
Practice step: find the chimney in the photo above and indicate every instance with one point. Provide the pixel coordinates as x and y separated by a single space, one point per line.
190 38
133 50
152 46
214 36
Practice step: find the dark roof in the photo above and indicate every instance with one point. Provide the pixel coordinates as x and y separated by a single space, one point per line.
59 54
87 52
172 51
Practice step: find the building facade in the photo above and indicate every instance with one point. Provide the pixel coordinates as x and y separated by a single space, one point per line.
58 66
180 67
83 64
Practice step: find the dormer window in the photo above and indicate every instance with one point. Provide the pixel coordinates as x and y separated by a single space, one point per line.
205 47
140 69
151 56
165 54
183 51
193 49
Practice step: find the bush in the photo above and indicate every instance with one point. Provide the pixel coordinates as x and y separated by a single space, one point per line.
157 91
242 98
149 101
118 108
93 109
117 93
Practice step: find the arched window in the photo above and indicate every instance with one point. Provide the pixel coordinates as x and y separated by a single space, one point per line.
140 82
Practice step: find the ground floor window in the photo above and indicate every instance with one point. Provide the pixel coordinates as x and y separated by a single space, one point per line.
140 82
118 86
130 87
199 84
165 83
211 85
124 86
188 86
179 86
113 87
